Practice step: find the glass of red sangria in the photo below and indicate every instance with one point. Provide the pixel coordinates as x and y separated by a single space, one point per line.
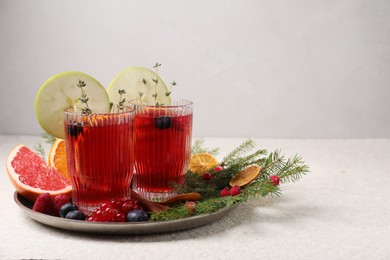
162 147
100 156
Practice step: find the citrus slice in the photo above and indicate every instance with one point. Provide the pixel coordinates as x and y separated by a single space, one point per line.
57 157
61 92
245 176
31 176
202 162
136 80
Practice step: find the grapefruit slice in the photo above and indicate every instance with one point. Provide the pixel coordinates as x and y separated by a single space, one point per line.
202 162
57 157
31 175
245 176
61 92
135 80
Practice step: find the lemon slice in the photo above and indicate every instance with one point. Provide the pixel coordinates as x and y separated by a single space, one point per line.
245 176
61 92
202 162
136 80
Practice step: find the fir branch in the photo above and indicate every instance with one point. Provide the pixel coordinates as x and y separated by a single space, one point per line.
275 163
202 207
198 147
49 139
261 189
240 150
293 170
40 150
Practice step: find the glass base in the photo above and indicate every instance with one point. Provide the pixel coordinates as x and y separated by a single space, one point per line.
154 196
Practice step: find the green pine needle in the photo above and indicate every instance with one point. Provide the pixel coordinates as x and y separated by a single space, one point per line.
287 169
198 147
40 151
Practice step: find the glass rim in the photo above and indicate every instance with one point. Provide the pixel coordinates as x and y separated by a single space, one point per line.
127 109
186 102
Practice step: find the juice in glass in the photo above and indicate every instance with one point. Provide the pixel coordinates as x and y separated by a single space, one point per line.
162 148
100 157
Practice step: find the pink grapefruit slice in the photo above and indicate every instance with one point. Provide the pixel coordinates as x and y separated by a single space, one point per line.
32 176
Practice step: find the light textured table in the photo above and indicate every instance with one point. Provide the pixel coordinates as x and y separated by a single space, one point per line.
340 210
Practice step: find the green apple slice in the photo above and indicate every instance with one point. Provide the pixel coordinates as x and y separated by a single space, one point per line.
136 80
61 92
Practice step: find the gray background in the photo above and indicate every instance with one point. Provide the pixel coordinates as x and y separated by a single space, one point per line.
303 69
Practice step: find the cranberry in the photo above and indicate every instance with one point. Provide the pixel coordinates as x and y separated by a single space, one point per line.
116 204
218 168
120 217
105 205
225 192
190 206
206 176
235 190
274 180
129 205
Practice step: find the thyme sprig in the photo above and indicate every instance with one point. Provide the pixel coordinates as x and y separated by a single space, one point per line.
140 92
122 100
156 84
84 99
274 163
169 92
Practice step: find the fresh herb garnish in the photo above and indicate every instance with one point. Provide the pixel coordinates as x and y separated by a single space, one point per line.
168 93
156 84
122 100
84 99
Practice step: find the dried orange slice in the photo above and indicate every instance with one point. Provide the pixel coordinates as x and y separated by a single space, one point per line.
201 162
57 157
245 176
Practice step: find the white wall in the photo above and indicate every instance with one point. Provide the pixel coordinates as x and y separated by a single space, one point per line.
256 68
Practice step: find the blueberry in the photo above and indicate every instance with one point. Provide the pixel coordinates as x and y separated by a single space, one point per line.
162 122
137 215
75 129
67 208
75 214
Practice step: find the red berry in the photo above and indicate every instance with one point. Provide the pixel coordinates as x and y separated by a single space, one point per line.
59 201
120 217
225 192
129 205
191 207
105 206
274 180
92 219
43 204
110 214
218 168
206 176
116 204
235 190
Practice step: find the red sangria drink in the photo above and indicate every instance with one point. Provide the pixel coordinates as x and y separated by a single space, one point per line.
100 156
162 147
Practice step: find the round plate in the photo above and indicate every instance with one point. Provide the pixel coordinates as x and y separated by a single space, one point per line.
120 228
